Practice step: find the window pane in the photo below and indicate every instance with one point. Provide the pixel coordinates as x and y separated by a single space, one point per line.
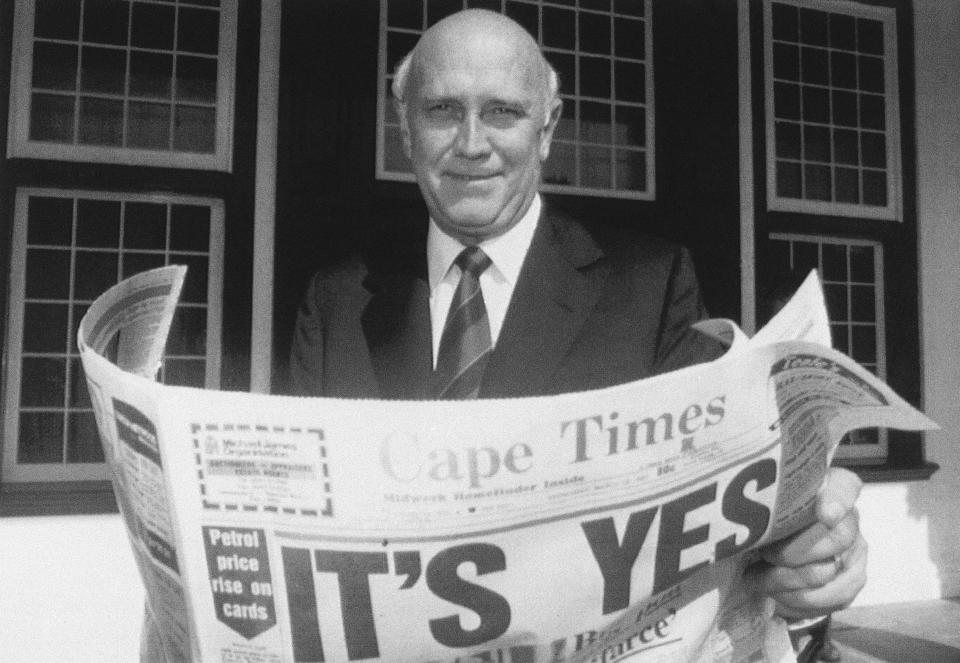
523 13
816 144
566 68
861 264
194 129
149 126
151 75
595 33
788 140
561 167
83 440
134 263
631 126
188 333
595 123
103 70
101 121
96 272
631 81
49 220
407 14
56 19
785 22
105 21
41 437
874 187
145 225
394 159
55 66
843 32
79 397
184 372
196 79
816 182
98 223
43 381
786 62
847 185
813 27
559 28
629 38
48 274
198 31
631 170
863 303
152 26
834 262
195 285
45 327
51 118
789 180
815 68
595 77
595 164
190 228
437 9
835 295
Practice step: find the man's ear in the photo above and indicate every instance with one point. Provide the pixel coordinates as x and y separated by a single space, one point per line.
546 133
401 109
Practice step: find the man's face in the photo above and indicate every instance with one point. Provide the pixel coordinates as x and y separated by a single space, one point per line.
477 132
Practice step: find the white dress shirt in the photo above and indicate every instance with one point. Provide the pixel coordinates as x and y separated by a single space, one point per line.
506 251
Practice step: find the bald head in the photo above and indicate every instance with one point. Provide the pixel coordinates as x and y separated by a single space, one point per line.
477 35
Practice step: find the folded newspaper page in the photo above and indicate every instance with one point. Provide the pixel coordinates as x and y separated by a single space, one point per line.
601 526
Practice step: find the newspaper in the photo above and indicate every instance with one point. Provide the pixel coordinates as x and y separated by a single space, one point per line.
608 525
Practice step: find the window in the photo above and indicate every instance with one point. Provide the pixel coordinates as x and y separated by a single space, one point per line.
602 51
124 81
852 275
833 115
68 247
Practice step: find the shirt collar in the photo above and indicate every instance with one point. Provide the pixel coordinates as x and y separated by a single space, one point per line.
507 251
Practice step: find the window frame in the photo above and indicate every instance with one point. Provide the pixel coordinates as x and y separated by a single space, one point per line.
649 105
851 453
19 144
893 210
13 473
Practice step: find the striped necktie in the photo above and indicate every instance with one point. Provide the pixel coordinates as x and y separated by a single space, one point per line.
465 343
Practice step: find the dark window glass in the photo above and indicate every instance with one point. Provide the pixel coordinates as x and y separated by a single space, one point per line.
817 183
196 79
79 396
105 21
816 143
844 108
595 167
135 262
50 220
45 327
594 33
194 129
188 333
406 14
595 77
631 81
41 437
835 295
861 264
561 167
48 274
789 180
190 228
864 339
872 112
788 140
816 104
525 14
813 27
815 66
198 31
184 372
98 223
870 36
874 187
595 123
630 127
398 45
51 118
55 66
437 9
629 38
843 32
96 271
195 285
834 262
785 22
565 66
567 126
83 440
600 5
103 70
149 126
101 121
871 74
847 185
863 305
786 101
874 147
629 7
845 147
56 19
839 334
559 28
806 256
843 70
151 74
152 26
786 62
631 170
43 381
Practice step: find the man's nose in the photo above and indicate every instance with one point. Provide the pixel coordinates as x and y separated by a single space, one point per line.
472 138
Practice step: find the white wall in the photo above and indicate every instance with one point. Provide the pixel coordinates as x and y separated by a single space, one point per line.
914 528
69 591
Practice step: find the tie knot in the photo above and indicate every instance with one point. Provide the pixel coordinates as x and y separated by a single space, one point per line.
473 260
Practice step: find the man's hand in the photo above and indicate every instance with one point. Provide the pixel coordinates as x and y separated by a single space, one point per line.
821 568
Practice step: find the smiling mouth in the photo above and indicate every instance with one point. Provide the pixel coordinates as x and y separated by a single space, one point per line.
460 177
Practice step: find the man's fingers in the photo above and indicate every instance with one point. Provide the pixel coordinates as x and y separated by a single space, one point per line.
815 543
835 594
837 495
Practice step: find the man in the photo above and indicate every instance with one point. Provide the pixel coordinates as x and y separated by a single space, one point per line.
566 305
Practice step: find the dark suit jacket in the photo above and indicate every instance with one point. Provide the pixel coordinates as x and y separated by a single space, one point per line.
593 307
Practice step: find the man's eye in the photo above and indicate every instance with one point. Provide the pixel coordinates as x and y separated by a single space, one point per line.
507 111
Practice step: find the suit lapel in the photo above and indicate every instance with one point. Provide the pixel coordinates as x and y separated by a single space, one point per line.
558 286
396 324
